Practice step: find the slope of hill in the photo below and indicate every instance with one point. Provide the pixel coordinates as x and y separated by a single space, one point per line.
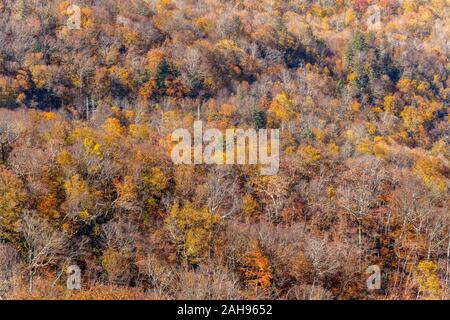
91 91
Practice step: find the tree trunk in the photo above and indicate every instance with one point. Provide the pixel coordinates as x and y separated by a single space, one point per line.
448 261
360 243
30 281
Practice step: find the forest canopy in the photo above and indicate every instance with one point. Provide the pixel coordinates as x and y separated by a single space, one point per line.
91 91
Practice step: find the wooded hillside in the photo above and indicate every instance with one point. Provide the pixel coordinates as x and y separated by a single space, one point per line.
358 88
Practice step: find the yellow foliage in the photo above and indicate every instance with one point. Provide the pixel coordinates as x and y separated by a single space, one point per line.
147 89
81 133
227 45
162 5
411 118
309 101
428 281
139 131
157 180
78 196
331 192
282 107
91 147
130 36
389 104
365 146
310 153
317 10
86 14
429 111
163 18
422 87
410 6
381 149
40 75
113 128
333 149
129 115
127 193
249 205
57 130
62 7
350 17
75 186
428 169
406 85
154 59
121 74
204 23
352 77
192 230
355 106
289 150
12 197
64 159
84 214
371 128
319 134
49 116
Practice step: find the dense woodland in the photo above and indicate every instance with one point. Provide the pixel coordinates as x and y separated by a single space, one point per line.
86 177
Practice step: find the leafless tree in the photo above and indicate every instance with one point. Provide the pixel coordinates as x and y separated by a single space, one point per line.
160 275
221 193
308 292
119 234
273 190
9 262
325 257
208 283
43 244
9 134
361 190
